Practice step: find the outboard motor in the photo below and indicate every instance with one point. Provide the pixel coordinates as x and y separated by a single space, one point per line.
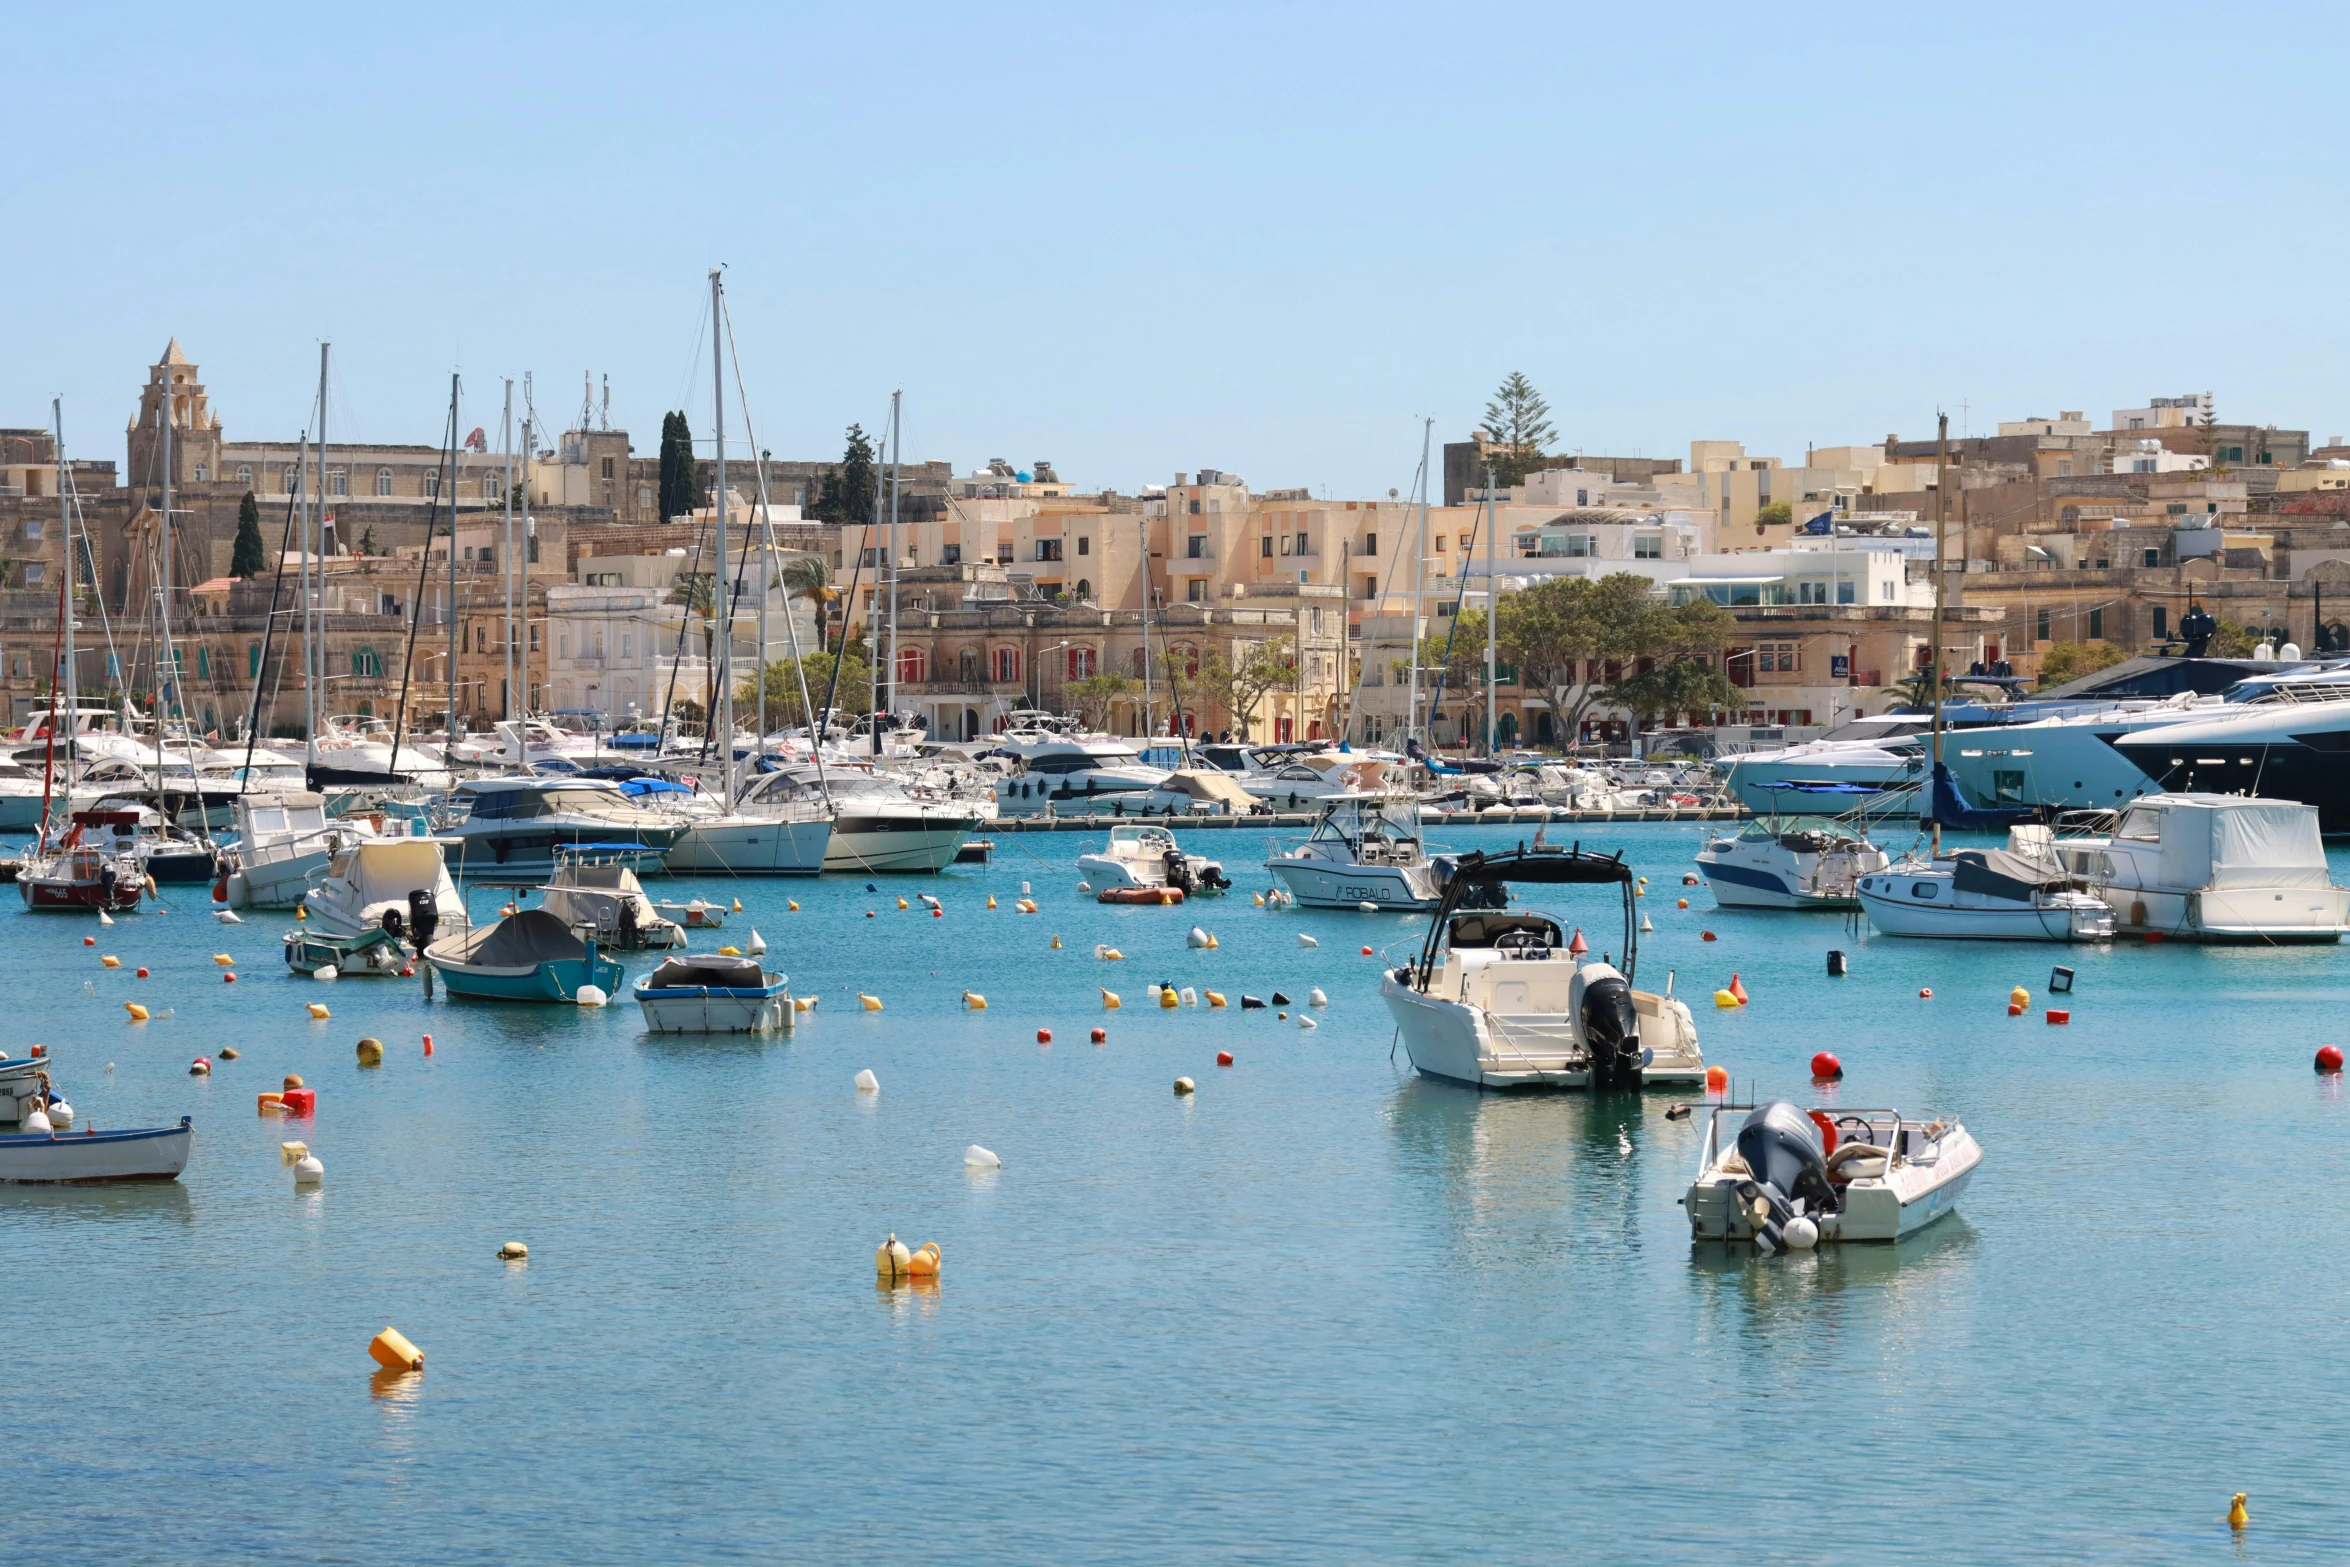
1611 1034
393 924
1781 1147
424 917
1178 870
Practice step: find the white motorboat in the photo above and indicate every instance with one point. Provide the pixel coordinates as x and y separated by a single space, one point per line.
1075 775
284 842
2286 748
513 826
156 1153
1140 856
2212 867
1878 753
368 880
597 893
1789 1179
1984 895
877 824
787 839
1500 999
715 994
1365 848
1799 862
23 792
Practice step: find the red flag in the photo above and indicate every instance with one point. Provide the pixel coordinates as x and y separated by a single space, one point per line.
477 441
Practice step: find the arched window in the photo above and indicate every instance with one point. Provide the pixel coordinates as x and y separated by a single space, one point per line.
1007 665
1081 663
432 483
1187 659
1084 591
913 666
244 475
383 481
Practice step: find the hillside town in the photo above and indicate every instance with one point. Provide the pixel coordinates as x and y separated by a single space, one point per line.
971 590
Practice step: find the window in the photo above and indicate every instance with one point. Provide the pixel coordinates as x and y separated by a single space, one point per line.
204 471
601 579
364 662
1303 548
1582 497
1195 591
1285 544
487 555
627 646
968 663
607 467
644 497
1007 665
1048 549
33 572
1370 544
489 487
203 662
2096 624
1468 542
244 476
1139 662
1440 544
2154 557
32 528
1186 658
252 659
951 555
338 483
2064 468
383 481
563 645
1265 547
1779 658
432 484
2235 454
1084 545
1648 546
293 481
1195 547
913 666
2040 627
1081 663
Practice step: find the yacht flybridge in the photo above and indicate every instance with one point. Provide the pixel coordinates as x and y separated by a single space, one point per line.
1500 999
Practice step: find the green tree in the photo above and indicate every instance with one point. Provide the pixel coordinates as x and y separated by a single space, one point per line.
807 577
1562 633
697 592
2063 661
775 691
1095 695
1518 419
250 555
1239 686
1682 685
1779 514
682 489
847 493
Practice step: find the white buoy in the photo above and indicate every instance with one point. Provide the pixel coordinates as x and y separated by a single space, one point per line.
1315 998
1304 1021
34 1124
105 918
308 1171
1024 889
1189 997
1646 924
978 1158
1085 886
591 996
60 1114
327 971
1368 907
1305 940
228 916
1800 1234
756 945
867 1083
1196 938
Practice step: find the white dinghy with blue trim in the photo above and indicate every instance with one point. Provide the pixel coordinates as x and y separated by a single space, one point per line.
716 994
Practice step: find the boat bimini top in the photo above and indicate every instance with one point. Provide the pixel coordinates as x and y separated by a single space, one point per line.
1478 882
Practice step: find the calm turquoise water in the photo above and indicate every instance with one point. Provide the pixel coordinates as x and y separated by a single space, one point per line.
1323 1312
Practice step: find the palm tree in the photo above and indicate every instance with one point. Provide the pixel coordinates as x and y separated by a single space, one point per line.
807 577
699 595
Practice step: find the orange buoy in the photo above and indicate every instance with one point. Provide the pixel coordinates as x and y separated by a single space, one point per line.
1223 1058
1825 1067
2329 1058
1044 1036
1682 904
142 973
428 1044
228 977
1578 946
1717 1079
1101 1036
1709 936
1738 990
1366 952
1926 994
89 941
2013 1010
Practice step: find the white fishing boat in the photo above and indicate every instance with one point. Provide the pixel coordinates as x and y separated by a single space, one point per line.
1365 848
284 841
2212 867
389 876
597 893
1499 998
716 994
86 1156
1984 895
1799 862
1139 856
1788 1179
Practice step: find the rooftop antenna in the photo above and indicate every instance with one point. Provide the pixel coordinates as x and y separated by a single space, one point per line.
587 400
604 414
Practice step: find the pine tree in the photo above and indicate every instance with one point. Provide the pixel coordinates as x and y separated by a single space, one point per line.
1518 420
249 556
847 495
682 489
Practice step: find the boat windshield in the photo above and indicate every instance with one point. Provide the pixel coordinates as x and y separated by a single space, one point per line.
1371 821
1495 930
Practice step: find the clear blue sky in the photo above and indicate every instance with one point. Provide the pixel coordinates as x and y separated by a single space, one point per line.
1131 239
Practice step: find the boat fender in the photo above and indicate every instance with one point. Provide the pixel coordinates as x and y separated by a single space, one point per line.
371 1052
1368 907
1190 997
978 1158
1315 998
1819 1118
890 1259
1801 1234
1183 1086
319 1011
138 1013
1085 886
34 1124
872 1003
1110 1001
514 1251
308 1171
292 1153
393 1352
327 971
1304 1021
1215 997
867 1083
1305 940
1195 937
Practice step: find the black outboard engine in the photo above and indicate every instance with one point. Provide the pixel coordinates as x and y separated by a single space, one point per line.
424 917
394 924
1178 870
1781 1147
1611 1033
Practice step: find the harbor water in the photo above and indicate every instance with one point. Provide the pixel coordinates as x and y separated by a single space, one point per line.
1321 1311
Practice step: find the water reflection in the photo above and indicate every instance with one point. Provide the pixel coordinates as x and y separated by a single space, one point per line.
1796 1296
114 1202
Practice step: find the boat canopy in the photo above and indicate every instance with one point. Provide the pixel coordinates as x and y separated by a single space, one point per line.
387 870
1476 877
519 941
711 972
2216 841
2003 873
1210 788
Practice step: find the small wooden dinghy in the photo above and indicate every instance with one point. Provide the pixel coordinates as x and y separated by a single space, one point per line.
714 995
150 1154
697 915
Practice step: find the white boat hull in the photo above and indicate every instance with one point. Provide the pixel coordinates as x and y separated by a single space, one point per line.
752 846
280 883
2081 919
157 1154
922 845
1334 884
1886 1207
1483 1049
714 1012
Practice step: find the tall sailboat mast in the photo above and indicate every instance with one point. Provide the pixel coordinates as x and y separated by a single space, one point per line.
1934 651
721 596
1419 573
449 720
64 675
506 554
1492 614
314 589
896 446
161 579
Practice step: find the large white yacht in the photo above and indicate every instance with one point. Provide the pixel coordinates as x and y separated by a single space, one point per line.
877 824
512 826
1881 753
1073 774
784 839
2281 749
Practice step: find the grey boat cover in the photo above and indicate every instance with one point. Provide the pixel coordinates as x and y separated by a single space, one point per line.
714 972
518 941
2003 873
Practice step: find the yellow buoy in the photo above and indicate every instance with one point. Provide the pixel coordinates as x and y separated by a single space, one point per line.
738 905
1168 998
2019 997
872 1003
301 911
138 1013
224 960
1723 998
901 903
111 961
732 952
924 1263
1056 943
789 904
991 900
393 1352
975 1001
371 1052
1215 998
318 1009
1260 900
2237 1517
890 1260
1213 943
1110 1002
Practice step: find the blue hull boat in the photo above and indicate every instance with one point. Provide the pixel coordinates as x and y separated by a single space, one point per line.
528 956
